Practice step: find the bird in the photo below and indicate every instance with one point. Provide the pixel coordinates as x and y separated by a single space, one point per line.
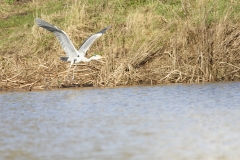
73 55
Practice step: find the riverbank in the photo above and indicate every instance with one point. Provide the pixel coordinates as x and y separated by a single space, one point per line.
148 43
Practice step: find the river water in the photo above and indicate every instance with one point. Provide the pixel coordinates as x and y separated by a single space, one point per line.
184 122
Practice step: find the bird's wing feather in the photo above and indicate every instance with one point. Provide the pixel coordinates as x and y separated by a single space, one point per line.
61 36
85 46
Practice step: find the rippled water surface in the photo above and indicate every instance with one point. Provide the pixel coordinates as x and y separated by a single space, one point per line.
143 122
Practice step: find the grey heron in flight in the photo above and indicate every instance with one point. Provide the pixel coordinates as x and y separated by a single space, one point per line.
73 55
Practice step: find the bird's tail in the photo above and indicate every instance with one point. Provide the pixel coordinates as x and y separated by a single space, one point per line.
64 58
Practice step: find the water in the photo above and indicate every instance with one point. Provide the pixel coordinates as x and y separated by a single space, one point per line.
144 122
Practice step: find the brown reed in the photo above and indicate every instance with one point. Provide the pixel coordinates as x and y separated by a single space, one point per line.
142 47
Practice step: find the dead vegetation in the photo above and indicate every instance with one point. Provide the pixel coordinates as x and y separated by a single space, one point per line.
146 48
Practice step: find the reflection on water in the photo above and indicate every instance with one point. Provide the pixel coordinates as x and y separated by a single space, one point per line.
144 122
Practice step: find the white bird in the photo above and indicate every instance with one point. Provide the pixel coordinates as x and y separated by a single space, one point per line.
74 56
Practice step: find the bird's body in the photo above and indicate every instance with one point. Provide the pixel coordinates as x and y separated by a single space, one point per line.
78 59
72 54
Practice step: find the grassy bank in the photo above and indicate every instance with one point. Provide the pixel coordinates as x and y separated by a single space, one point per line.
149 42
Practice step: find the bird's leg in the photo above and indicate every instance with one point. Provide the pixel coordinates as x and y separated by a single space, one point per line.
73 72
68 71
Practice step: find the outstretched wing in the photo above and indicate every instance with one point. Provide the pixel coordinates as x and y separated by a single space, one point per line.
85 46
61 36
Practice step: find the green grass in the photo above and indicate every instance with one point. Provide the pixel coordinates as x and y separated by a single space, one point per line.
9 1
22 21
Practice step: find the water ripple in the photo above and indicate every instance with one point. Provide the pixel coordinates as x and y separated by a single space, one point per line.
141 122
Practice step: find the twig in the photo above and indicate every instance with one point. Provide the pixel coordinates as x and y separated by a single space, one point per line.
229 64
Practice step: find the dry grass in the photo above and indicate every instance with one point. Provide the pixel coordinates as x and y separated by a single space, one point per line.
191 43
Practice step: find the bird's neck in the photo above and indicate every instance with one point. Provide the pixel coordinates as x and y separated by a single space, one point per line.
84 59
92 58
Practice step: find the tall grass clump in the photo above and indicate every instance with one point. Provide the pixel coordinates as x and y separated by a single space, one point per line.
207 46
149 42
